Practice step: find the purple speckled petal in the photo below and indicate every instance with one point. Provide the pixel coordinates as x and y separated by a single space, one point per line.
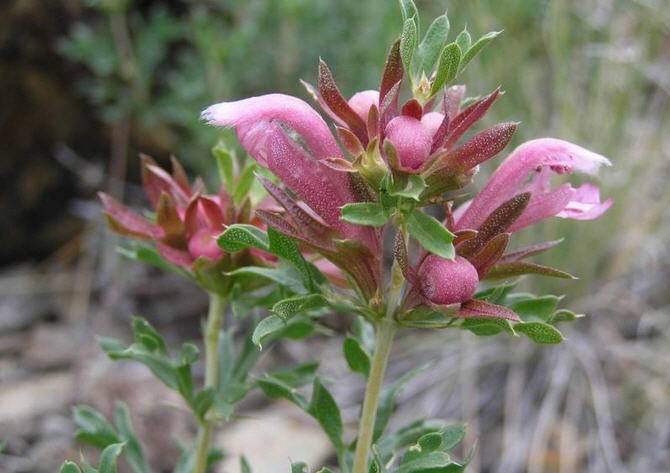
538 156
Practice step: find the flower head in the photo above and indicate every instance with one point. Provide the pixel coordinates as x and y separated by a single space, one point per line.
187 219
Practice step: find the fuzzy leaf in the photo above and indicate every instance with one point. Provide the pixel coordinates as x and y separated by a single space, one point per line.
538 309
539 332
480 44
432 43
357 358
108 458
69 467
464 40
241 236
365 213
447 67
431 234
324 409
287 308
408 42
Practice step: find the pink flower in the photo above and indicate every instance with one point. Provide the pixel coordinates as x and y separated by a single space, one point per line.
187 220
539 158
288 137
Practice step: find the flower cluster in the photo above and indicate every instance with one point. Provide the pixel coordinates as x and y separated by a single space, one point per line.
389 146
187 219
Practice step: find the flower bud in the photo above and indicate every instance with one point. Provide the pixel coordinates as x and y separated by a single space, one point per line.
446 281
411 139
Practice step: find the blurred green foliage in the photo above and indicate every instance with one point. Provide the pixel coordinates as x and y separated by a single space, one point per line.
587 71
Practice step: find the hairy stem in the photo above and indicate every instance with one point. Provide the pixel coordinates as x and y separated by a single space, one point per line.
217 308
385 332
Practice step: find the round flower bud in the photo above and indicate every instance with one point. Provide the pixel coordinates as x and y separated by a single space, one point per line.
411 139
432 121
446 281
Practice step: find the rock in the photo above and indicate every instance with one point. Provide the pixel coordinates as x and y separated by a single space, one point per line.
269 439
37 395
50 345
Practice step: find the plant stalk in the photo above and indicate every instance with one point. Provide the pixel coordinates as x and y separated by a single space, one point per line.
385 333
217 309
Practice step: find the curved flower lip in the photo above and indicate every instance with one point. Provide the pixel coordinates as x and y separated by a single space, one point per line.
287 136
540 156
250 117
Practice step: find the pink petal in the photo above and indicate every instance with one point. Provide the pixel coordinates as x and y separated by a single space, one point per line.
361 102
127 222
203 243
177 257
533 156
432 121
585 204
253 116
411 139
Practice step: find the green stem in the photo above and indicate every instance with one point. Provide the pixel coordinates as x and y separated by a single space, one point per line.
217 308
385 332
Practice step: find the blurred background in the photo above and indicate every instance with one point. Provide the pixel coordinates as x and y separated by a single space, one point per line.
87 85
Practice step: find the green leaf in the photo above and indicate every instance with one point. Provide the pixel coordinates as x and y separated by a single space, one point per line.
203 401
150 256
409 10
133 449
447 67
537 309
487 327
299 467
244 465
283 275
564 315
408 41
430 442
539 332
431 461
287 249
148 336
357 358
225 163
413 188
388 397
69 467
480 44
94 429
464 40
278 389
324 409
365 213
431 234
274 327
108 458
241 236
287 308
266 327
297 376
432 43
452 436
408 435
244 183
